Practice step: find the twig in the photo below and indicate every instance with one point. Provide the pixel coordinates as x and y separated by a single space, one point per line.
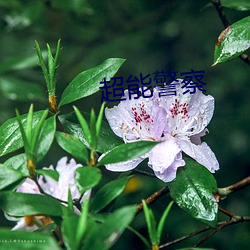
152 198
235 220
223 192
226 23
144 173
224 211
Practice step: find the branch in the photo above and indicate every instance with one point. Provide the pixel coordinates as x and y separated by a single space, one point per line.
235 220
144 173
223 192
226 23
152 198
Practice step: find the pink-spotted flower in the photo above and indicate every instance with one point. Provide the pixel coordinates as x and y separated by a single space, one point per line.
178 121
58 189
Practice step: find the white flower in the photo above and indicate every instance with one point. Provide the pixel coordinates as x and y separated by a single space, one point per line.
58 189
179 121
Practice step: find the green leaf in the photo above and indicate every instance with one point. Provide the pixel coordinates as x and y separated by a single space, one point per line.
108 193
92 127
232 41
88 82
73 146
16 240
241 5
193 191
8 176
105 235
46 138
127 152
84 125
107 139
53 174
18 162
10 136
162 221
19 90
151 223
87 177
69 230
99 121
20 204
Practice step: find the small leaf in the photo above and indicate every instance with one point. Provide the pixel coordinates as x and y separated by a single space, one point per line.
84 125
241 5
87 177
8 176
108 193
151 223
107 138
162 221
20 204
19 90
10 136
73 146
16 240
53 174
232 41
88 82
193 191
46 138
69 231
127 152
105 235
99 121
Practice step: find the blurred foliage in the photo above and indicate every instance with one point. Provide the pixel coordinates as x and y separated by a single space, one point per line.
150 35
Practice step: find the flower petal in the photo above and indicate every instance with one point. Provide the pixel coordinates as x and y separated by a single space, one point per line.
29 187
137 119
165 158
188 114
201 153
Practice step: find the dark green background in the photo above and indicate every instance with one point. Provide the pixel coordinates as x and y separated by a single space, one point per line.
150 35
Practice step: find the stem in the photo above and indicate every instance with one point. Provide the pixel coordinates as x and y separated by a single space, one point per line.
144 173
223 192
152 198
235 220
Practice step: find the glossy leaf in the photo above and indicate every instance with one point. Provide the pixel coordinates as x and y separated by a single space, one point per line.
46 137
193 191
105 235
10 136
8 176
108 193
73 146
107 138
241 5
232 41
127 152
87 177
18 162
16 240
20 204
88 82
19 90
